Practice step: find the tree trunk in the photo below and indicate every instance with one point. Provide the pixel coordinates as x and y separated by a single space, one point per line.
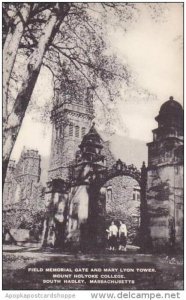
4 169
45 234
10 50
13 123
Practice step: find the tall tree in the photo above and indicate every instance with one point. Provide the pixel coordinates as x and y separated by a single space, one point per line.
20 21
68 38
30 32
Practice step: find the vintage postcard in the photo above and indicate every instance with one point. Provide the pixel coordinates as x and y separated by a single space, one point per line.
92 146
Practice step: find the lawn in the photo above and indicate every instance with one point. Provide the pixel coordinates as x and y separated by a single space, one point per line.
33 269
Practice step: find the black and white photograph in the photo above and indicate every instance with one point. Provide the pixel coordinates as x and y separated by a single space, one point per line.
92 152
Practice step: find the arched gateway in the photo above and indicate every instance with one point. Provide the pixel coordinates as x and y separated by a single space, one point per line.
76 207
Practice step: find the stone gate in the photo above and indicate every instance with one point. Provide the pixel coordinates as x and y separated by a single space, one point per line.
77 206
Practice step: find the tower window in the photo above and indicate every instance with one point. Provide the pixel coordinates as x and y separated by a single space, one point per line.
136 194
57 132
77 131
61 130
177 169
71 130
82 131
109 193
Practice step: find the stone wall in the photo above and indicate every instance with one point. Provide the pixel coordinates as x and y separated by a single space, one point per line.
122 206
23 195
27 213
21 176
165 204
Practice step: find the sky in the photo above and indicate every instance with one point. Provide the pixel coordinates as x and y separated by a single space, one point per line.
153 50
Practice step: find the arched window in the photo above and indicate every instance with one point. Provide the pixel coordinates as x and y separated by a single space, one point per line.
82 131
155 136
136 194
57 132
77 131
61 130
71 129
109 193
17 194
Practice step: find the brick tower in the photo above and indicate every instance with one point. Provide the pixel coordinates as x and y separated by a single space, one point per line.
71 118
28 167
22 176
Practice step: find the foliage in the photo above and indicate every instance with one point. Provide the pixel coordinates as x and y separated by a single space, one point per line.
159 190
71 39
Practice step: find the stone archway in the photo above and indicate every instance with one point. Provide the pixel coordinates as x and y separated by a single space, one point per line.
123 204
90 231
86 176
96 218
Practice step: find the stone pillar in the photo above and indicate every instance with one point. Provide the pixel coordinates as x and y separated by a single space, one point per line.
47 221
144 235
77 218
96 219
54 226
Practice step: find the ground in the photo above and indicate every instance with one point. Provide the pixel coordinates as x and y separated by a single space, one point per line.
24 268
